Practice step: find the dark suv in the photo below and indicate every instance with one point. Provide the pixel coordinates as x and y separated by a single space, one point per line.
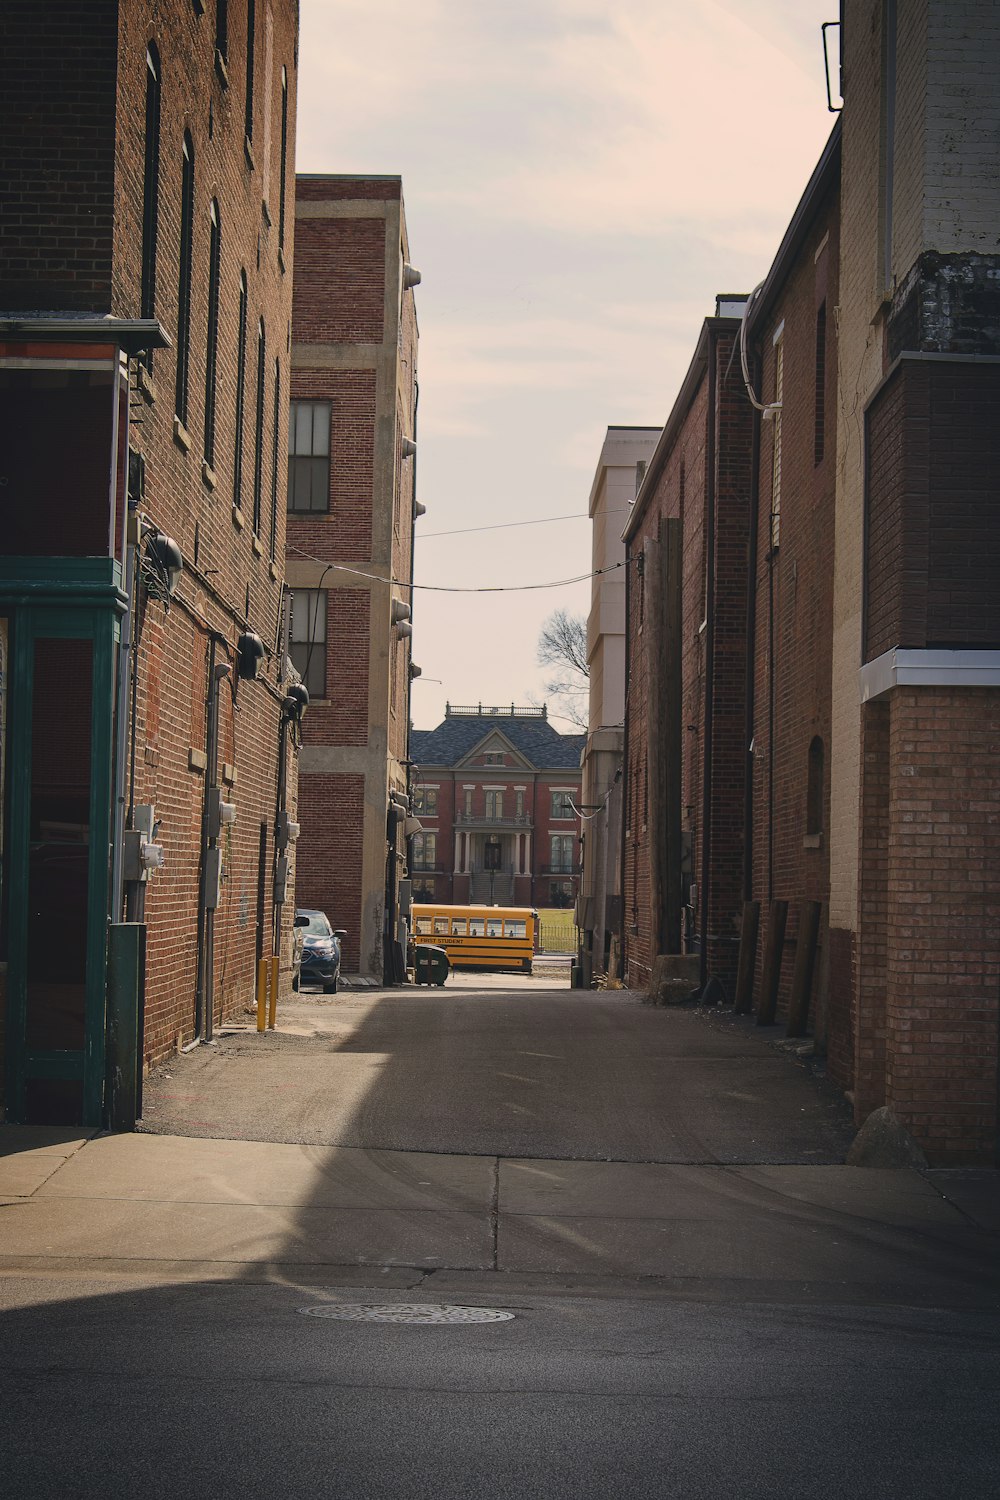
320 951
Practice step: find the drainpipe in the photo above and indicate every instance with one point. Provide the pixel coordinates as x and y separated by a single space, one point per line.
625 934
204 992
748 697
705 881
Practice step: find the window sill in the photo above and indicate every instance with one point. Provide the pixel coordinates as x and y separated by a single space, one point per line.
812 841
208 475
197 760
248 153
238 520
281 260
221 69
265 212
181 436
144 384
272 569
257 546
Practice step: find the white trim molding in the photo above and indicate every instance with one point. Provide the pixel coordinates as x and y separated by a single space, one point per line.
909 668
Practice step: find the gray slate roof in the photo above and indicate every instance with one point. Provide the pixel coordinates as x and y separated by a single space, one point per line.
541 745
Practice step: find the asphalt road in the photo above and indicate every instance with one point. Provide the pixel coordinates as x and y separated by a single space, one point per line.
507 1067
226 1391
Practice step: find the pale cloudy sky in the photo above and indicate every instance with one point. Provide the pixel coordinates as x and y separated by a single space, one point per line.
581 177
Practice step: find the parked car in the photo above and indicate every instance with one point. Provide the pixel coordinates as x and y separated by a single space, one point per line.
320 962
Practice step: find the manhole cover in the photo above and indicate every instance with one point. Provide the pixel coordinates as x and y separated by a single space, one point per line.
405 1312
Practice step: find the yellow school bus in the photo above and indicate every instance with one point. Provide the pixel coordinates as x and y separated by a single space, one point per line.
479 937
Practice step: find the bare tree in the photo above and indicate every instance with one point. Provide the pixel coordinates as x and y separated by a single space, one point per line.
563 645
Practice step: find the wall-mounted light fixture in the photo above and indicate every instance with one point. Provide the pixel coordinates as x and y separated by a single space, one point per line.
411 277
409 447
250 656
418 510
162 562
296 701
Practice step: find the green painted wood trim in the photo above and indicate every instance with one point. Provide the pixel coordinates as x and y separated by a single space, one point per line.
94 582
101 627
53 1064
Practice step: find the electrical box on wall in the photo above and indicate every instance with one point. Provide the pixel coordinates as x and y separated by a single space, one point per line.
141 854
287 830
221 814
281 873
213 878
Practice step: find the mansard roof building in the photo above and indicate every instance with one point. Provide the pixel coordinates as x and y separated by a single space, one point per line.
496 791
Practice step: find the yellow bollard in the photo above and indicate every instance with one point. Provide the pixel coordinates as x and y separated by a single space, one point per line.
261 993
275 963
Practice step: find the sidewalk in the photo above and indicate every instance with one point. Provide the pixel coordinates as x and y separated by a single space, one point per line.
176 1208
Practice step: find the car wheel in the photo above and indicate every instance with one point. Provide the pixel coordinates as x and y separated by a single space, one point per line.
330 986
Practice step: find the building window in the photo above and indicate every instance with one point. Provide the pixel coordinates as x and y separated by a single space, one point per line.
424 851
184 282
425 800
212 345
309 456
779 368
241 386
284 158
222 29
258 446
494 806
562 805
423 890
150 192
561 893
814 787
274 459
493 758
251 38
468 802
562 853
519 803
308 643
819 419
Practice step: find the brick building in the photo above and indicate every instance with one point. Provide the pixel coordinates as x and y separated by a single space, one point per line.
686 543
495 791
351 509
625 454
145 299
871 703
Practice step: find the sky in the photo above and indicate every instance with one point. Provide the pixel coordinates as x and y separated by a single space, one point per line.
580 179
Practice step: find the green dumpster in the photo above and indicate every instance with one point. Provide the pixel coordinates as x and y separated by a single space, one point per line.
430 964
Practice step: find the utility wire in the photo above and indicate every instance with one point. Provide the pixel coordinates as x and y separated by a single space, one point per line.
440 588
425 536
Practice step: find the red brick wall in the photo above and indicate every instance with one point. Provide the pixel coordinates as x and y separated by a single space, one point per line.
794 602
681 491
223 566
943 920
339 281
57 154
326 874
933 555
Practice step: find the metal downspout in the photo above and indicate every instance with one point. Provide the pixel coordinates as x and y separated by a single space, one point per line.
705 878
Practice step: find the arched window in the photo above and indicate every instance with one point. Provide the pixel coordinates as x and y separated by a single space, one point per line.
819 412
150 191
284 158
241 386
258 451
251 39
212 346
814 787
184 280
274 460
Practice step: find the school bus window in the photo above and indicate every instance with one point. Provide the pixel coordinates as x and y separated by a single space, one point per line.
441 926
516 929
458 927
494 927
477 927
424 926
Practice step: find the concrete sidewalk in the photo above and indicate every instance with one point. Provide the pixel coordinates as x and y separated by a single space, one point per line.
179 1207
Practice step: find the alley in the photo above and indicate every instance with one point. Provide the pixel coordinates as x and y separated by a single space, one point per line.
275 1286
510 1067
